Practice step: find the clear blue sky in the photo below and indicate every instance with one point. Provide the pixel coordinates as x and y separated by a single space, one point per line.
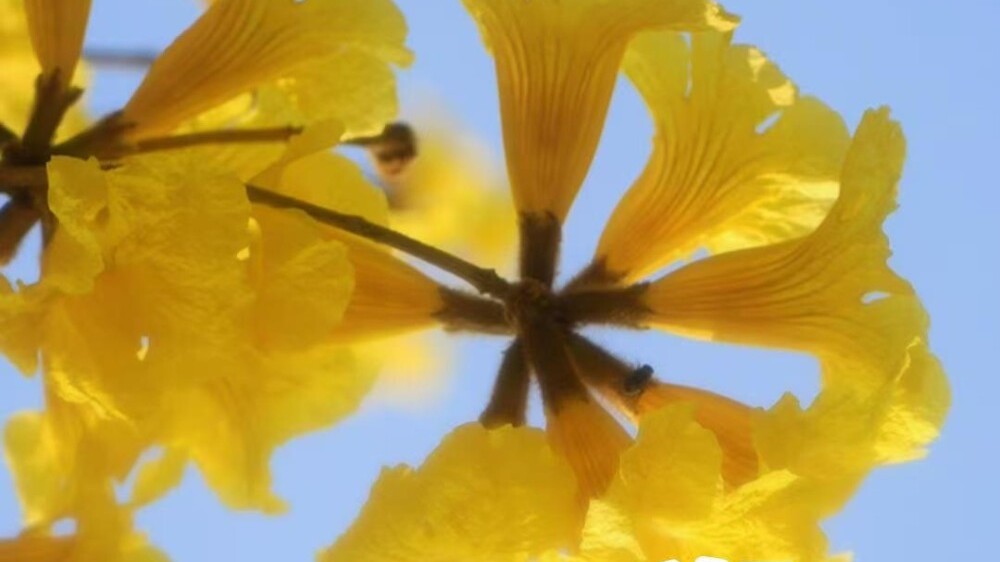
931 61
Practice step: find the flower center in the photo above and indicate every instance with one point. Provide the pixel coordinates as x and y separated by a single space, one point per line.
532 301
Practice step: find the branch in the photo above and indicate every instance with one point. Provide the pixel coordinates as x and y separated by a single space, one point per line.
233 136
16 178
486 281
139 60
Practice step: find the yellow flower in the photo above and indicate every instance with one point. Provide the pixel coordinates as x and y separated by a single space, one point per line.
829 293
501 495
791 208
57 28
556 65
172 313
167 307
330 58
482 495
54 482
713 181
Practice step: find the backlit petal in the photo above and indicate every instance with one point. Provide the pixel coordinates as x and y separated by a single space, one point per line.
713 181
230 426
389 296
238 45
844 433
590 439
830 293
669 495
730 421
494 495
20 69
57 28
20 317
556 65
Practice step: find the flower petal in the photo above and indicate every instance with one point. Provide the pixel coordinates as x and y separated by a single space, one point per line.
389 297
57 28
20 320
844 433
483 494
36 549
730 421
556 65
590 439
231 425
20 69
670 493
830 293
238 45
713 181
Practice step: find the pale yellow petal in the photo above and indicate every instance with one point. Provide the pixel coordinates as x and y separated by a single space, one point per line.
491 495
231 425
156 477
672 457
389 297
830 293
57 28
729 420
78 197
161 282
238 45
303 283
21 313
669 496
844 433
714 181
556 65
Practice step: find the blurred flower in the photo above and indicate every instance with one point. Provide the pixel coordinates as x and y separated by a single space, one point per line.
449 195
169 313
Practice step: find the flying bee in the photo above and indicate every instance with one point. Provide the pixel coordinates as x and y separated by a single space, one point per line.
391 151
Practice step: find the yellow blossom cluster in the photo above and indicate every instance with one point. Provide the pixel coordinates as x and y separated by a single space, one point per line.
216 280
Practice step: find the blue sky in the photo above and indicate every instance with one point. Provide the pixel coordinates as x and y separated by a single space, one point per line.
931 62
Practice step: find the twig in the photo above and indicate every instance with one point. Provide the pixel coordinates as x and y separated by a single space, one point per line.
486 281
16 178
138 60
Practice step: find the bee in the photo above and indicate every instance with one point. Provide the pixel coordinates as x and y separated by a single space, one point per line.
392 151
637 380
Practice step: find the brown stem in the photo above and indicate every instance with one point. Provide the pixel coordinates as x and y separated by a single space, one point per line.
464 312
620 307
233 136
52 100
17 217
509 401
486 281
16 178
124 59
545 348
541 235
6 135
